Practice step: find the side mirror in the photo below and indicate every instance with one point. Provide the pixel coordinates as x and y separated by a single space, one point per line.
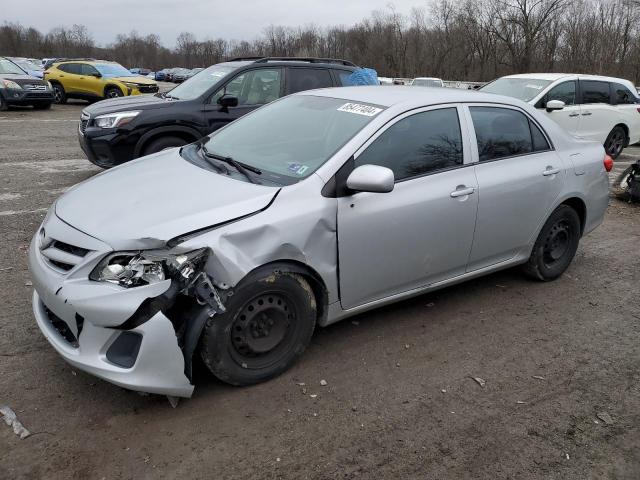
371 178
555 105
97 75
226 101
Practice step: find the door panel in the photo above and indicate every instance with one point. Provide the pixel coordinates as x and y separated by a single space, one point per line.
413 236
569 117
598 116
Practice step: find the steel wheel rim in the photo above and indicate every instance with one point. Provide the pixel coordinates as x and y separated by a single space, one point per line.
260 330
557 243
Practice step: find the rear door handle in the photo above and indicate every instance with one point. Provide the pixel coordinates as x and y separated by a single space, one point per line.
462 191
574 115
586 114
551 171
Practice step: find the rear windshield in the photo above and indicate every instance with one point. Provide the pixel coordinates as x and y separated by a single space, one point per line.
524 89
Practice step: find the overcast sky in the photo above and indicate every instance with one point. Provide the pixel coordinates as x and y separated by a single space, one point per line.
229 19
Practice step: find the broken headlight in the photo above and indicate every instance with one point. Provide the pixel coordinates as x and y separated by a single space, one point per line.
134 269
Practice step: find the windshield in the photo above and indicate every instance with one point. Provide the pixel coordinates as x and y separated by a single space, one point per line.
27 65
8 67
524 89
290 138
113 70
422 82
201 82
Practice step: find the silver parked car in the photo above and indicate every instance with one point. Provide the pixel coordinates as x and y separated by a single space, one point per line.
318 206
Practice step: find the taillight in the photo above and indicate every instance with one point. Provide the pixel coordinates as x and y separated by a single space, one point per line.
608 163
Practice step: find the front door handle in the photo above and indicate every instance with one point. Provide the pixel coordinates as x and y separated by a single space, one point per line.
586 114
574 115
462 191
551 171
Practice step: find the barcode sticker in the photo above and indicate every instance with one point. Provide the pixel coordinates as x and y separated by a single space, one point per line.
359 109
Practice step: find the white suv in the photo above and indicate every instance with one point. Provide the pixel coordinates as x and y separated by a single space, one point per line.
604 109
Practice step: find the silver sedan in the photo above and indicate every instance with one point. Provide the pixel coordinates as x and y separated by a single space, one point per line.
318 206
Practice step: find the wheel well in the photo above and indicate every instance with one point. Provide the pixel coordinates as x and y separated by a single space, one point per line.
580 208
187 137
316 283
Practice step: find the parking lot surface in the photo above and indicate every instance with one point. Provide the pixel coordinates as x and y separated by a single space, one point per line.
400 399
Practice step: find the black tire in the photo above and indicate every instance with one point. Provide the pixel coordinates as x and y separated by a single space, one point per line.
3 104
268 324
42 106
163 143
113 92
59 95
615 142
555 246
619 187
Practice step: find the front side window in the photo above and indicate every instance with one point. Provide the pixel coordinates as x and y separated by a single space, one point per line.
622 95
503 132
255 87
87 69
422 143
301 79
594 92
565 92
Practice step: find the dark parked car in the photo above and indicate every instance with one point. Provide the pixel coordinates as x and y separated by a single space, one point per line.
18 88
161 75
118 130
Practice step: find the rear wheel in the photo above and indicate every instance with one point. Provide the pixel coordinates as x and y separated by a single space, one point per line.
59 95
113 92
555 246
268 324
164 143
614 144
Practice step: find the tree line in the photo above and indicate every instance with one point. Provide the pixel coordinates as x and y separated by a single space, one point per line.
474 40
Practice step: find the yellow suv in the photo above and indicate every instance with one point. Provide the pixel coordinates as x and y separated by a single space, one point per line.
95 80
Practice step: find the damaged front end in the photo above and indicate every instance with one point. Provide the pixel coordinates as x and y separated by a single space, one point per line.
133 318
190 300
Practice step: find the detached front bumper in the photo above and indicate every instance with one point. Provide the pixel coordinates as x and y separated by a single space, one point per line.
80 318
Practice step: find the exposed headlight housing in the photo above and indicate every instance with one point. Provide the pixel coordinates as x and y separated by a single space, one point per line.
135 269
9 84
113 120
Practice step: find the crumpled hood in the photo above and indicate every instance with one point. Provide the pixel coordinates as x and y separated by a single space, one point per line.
144 203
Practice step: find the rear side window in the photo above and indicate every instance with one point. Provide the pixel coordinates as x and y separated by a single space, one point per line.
595 92
344 77
301 79
502 132
622 95
422 143
565 92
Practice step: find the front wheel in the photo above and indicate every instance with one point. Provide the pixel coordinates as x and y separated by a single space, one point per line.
555 246
268 324
614 144
113 92
163 143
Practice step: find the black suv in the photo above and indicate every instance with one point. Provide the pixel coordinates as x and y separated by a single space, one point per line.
18 88
118 130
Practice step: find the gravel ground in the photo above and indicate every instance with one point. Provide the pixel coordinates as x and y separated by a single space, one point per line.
400 401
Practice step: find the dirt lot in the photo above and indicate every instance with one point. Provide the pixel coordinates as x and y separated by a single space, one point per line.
399 402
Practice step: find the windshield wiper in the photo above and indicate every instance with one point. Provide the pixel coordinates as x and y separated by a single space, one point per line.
240 167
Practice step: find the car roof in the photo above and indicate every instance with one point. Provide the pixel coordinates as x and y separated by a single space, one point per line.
558 76
396 95
427 78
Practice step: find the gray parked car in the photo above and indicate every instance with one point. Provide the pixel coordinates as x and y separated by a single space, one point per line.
316 207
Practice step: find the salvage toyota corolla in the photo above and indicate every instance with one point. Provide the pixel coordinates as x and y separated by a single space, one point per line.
313 208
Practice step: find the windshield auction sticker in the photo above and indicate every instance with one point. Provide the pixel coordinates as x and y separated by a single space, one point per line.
359 109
